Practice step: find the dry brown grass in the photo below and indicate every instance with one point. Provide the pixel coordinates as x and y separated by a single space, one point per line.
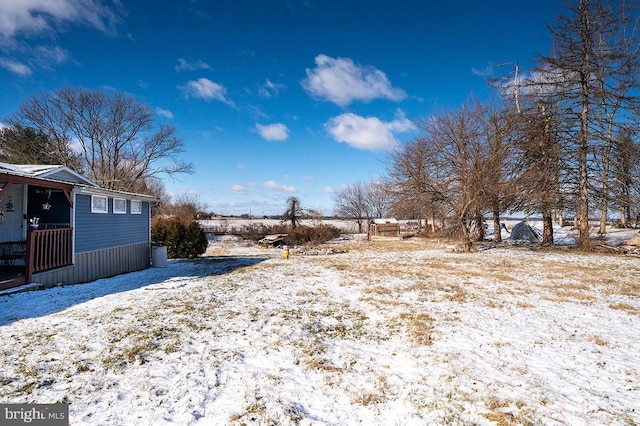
377 289
598 340
630 309
505 418
419 327
624 289
383 303
564 294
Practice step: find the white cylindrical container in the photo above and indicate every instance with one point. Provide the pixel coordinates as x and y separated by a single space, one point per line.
159 257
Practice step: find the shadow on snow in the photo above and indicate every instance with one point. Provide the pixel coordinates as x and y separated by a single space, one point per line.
178 273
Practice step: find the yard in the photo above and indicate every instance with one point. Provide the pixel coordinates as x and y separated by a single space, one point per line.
385 333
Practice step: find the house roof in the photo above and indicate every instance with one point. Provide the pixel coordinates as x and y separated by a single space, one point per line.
384 221
55 172
62 175
111 193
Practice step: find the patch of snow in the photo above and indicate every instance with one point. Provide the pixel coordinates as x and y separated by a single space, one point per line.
398 334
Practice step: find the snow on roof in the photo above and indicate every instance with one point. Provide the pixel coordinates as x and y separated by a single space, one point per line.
11 167
36 169
380 221
49 171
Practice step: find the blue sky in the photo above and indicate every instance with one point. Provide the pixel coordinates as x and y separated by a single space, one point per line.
273 98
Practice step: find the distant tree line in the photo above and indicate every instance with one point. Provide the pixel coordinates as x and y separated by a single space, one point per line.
565 139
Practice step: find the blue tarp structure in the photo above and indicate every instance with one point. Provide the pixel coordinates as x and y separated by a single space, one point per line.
524 232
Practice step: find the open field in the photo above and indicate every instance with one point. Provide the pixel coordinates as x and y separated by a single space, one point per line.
386 333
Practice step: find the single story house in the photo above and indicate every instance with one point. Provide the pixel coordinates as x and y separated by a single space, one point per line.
380 229
57 226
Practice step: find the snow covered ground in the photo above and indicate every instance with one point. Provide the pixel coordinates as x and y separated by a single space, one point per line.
387 333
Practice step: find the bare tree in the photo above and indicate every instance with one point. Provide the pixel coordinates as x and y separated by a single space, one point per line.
410 169
593 71
294 211
538 164
498 150
351 202
115 137
615 83
626 175
448 166
379 198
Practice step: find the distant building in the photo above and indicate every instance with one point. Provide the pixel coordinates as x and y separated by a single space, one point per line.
381 229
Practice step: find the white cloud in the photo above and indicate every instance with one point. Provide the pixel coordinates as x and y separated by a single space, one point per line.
184 65
40 20
273 132
328 189
275 186
15 67
239 189
369 133
50 55
270 89
203 88
164 113
35 17
342 81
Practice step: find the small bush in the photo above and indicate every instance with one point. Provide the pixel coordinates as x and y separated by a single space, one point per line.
257 231
302 235
182 240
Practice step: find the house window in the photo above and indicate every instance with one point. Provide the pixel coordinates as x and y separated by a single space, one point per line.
119 206
99 204
136 207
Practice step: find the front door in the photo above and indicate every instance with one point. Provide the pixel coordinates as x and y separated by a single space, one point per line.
12 222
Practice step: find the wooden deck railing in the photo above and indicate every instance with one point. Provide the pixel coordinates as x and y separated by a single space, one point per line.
48 249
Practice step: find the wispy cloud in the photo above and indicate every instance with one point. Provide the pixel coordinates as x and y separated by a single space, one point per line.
342 81
239 189
203 88
51 55
368 133
273 132
164 113
28 28
35 17
15 67
270 89
33 58
184 65
275 186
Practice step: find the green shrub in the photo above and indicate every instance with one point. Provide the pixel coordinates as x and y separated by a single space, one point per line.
182 240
